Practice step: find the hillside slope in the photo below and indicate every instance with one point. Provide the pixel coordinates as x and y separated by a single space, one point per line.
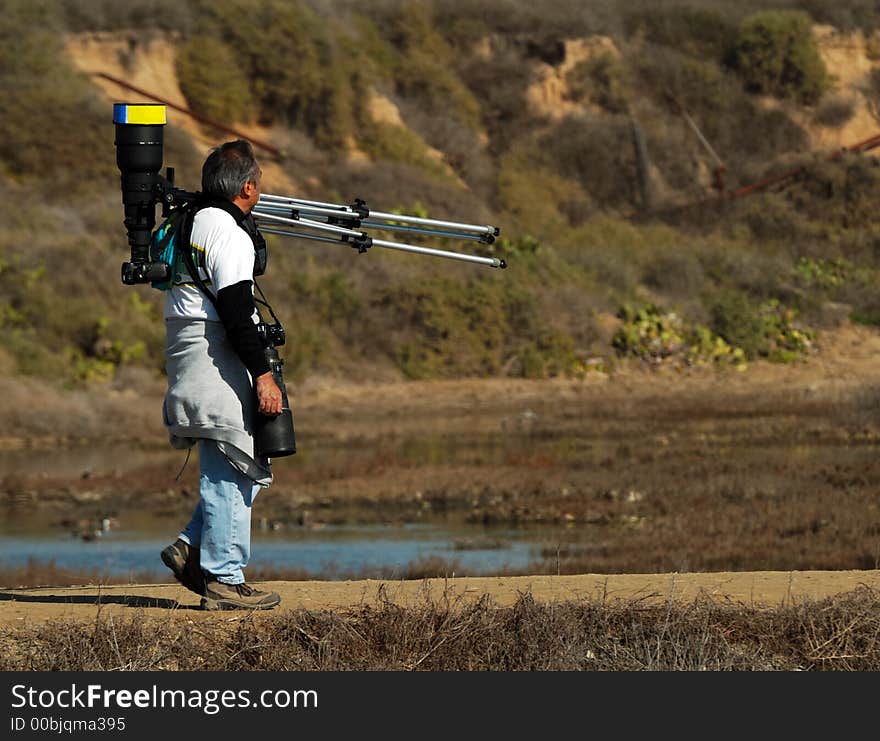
149 63
566 132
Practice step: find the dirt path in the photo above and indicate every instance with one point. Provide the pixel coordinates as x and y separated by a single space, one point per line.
27 607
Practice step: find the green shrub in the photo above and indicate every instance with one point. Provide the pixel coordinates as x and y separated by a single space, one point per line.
550 354
770 216
334 298
52 126
616 253
295 67
378 54
212 81
598 153
784 340
503 113
842 193
872 89
701 32
659 337
728 117
514 247
424 67
533 192
445 328
464 149
676 273
847 16
776 54
673 79
735 318
384 141
307 351
826 274
767 330
834 111
145 15
65 332
600 81
869 317
460 328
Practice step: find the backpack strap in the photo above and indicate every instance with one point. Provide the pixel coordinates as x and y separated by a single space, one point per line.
187 253
184 228
247 223
228 206
192 268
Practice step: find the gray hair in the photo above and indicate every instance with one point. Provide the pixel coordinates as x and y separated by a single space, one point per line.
228 168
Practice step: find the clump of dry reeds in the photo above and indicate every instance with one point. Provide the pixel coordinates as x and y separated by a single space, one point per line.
448 634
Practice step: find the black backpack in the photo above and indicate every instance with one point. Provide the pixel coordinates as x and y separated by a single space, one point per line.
170 242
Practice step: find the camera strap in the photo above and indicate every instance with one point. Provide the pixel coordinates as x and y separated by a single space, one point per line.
245 222
265 302
191 266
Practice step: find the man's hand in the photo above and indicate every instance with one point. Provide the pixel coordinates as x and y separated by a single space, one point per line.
268 395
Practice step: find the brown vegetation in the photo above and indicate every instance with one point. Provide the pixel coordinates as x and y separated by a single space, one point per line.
771 468
441 634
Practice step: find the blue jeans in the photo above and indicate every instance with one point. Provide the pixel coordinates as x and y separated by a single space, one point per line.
221 523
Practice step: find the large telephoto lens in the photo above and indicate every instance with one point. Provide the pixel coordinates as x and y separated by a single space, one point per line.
139 137
139 145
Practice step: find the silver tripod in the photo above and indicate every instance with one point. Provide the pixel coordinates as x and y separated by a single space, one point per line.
331 222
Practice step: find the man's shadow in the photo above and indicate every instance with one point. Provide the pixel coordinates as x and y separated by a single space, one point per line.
129 600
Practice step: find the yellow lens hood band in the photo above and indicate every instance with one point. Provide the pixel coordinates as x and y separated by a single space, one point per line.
138 113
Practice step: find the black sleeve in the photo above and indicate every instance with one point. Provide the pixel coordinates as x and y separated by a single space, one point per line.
235 305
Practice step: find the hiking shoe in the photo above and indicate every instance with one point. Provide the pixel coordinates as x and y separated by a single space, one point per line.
220 596
183 560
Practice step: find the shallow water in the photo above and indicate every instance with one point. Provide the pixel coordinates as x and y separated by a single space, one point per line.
376 551
131 544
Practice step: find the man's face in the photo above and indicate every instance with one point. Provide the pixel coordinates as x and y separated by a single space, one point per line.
251 192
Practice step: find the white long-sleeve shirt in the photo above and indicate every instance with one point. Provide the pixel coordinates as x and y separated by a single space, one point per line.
228 259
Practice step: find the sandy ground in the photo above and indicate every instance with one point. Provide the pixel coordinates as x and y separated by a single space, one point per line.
762 589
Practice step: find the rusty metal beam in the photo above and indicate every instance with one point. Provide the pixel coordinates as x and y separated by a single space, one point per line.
202 119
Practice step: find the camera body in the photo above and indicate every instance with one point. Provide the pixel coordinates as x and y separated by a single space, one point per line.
271 335
145 272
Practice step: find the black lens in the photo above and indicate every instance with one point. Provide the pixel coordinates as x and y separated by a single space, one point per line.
139 147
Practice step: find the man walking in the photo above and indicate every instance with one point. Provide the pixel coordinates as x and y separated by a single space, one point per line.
215 361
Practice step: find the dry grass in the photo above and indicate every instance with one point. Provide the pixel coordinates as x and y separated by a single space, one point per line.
835 634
